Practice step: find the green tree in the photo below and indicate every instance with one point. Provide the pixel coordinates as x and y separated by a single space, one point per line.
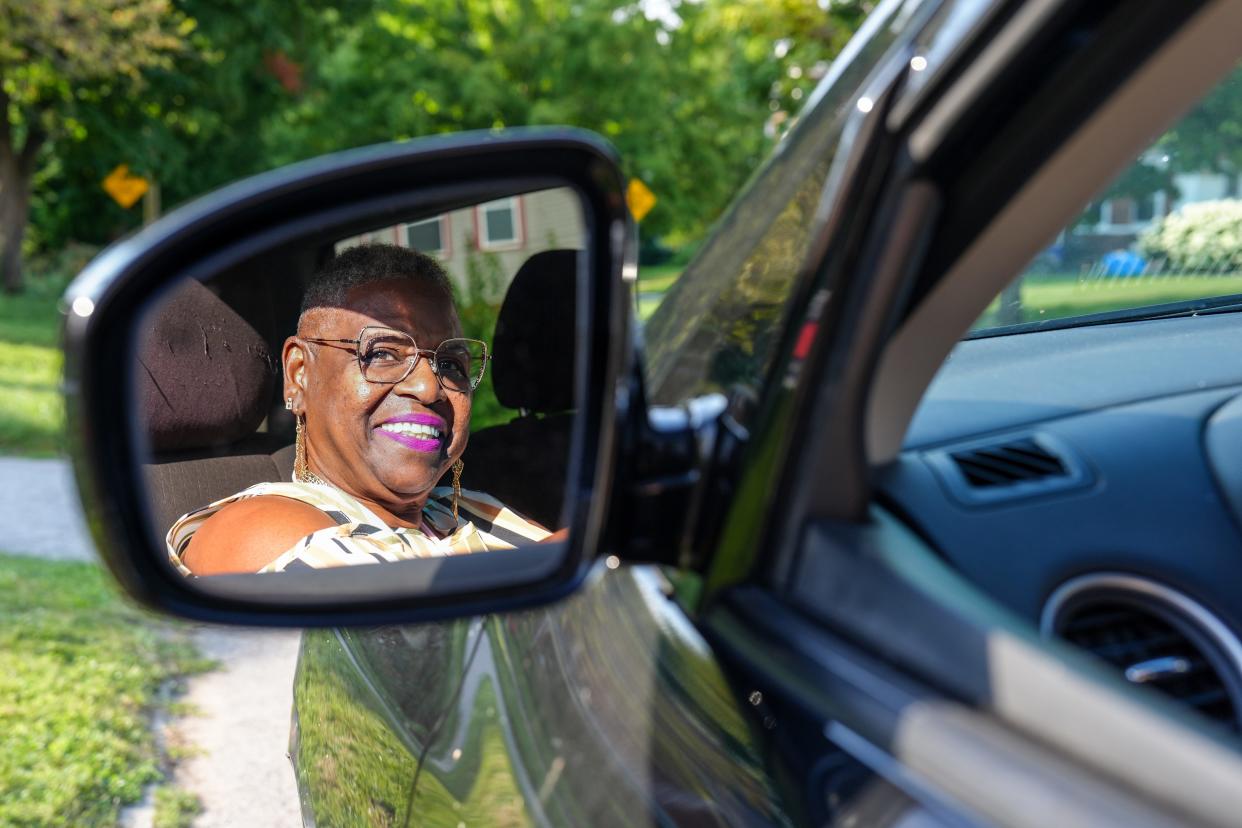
1209 137
261 83
197 123
676 96
785 46
57 56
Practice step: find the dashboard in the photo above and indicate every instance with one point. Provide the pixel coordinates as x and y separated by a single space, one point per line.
1095 472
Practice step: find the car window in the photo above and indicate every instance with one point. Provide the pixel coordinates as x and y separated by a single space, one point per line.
717 325
1164 237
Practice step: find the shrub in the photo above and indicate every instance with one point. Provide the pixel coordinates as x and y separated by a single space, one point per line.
1198 238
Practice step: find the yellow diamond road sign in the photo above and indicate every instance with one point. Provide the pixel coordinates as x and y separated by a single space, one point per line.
125 187
639 198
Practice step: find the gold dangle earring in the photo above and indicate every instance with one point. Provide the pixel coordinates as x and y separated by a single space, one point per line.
457 467
299 451
301 470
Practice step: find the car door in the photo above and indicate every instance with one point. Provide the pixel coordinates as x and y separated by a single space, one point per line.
876 682
821 600
809 659
608 708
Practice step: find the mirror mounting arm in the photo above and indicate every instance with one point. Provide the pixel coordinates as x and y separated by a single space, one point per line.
676 467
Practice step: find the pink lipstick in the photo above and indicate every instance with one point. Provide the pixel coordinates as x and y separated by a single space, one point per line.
417 432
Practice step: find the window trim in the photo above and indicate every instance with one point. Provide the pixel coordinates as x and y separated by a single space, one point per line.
519 226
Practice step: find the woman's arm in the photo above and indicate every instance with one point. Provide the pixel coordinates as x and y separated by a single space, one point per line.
247 535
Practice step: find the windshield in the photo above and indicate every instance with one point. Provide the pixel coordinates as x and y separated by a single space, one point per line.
1164 238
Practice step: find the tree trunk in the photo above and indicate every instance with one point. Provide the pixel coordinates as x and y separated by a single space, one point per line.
16 177
14 212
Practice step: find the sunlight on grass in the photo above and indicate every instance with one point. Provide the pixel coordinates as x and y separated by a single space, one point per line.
658 278
487 794
175 808
1062 297
32 414
653 282
350 764
79 672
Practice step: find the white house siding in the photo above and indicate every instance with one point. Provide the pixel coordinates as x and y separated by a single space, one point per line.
548 220
1195 187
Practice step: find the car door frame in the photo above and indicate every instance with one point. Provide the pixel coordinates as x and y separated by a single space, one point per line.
823 600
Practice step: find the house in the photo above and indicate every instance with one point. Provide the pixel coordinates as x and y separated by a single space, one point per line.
1115 223
491 240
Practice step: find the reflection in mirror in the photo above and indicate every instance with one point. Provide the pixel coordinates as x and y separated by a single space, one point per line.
396 392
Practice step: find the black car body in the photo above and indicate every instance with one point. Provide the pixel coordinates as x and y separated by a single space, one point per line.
612 708
822 619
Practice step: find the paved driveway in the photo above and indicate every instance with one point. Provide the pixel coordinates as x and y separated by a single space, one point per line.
240 771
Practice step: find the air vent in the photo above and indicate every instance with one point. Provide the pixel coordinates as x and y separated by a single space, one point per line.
1008 463
998 470
1188 655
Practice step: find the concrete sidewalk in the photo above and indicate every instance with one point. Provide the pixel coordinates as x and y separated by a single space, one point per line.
40 512
240 771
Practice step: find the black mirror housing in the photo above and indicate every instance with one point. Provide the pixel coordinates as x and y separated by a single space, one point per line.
322 199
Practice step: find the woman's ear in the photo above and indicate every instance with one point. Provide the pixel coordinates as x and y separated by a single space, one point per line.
293 360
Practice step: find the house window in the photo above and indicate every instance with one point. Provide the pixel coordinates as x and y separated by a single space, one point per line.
1123 210
500 224
1146 209
430 236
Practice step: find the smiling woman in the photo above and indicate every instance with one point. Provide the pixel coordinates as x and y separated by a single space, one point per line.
380 420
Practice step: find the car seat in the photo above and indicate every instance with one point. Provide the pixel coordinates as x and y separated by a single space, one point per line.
205 382
523 462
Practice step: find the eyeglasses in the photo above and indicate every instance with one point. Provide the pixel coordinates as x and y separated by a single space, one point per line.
387 356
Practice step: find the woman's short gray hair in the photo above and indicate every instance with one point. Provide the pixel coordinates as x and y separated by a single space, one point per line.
366 263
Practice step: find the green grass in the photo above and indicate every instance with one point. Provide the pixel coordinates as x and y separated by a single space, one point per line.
1052 296
350 763
653 282
658 278
487 792
79 675
175 808
1060 297
32 413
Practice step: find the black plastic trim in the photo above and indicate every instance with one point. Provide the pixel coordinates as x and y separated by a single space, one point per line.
1076 475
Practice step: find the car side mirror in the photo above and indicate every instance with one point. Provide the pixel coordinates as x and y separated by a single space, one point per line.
269 390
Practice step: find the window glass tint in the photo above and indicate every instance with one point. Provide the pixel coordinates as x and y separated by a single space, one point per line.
1165 236
714 324
500 225
425 236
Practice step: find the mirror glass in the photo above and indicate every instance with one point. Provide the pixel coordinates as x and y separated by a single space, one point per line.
393 389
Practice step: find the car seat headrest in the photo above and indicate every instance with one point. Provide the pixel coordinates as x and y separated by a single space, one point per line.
533 363
205 375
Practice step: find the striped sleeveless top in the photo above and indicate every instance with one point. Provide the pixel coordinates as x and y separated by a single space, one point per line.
360 537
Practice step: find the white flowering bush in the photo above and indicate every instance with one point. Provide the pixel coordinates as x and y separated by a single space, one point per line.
1205 237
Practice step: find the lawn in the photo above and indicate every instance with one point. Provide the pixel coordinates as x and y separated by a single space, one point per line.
32 415
1051 296
1061 296
658 278
653 282
80 673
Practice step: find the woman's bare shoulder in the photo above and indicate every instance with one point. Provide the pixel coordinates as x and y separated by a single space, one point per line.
246 535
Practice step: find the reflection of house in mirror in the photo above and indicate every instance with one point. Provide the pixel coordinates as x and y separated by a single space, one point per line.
483 246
